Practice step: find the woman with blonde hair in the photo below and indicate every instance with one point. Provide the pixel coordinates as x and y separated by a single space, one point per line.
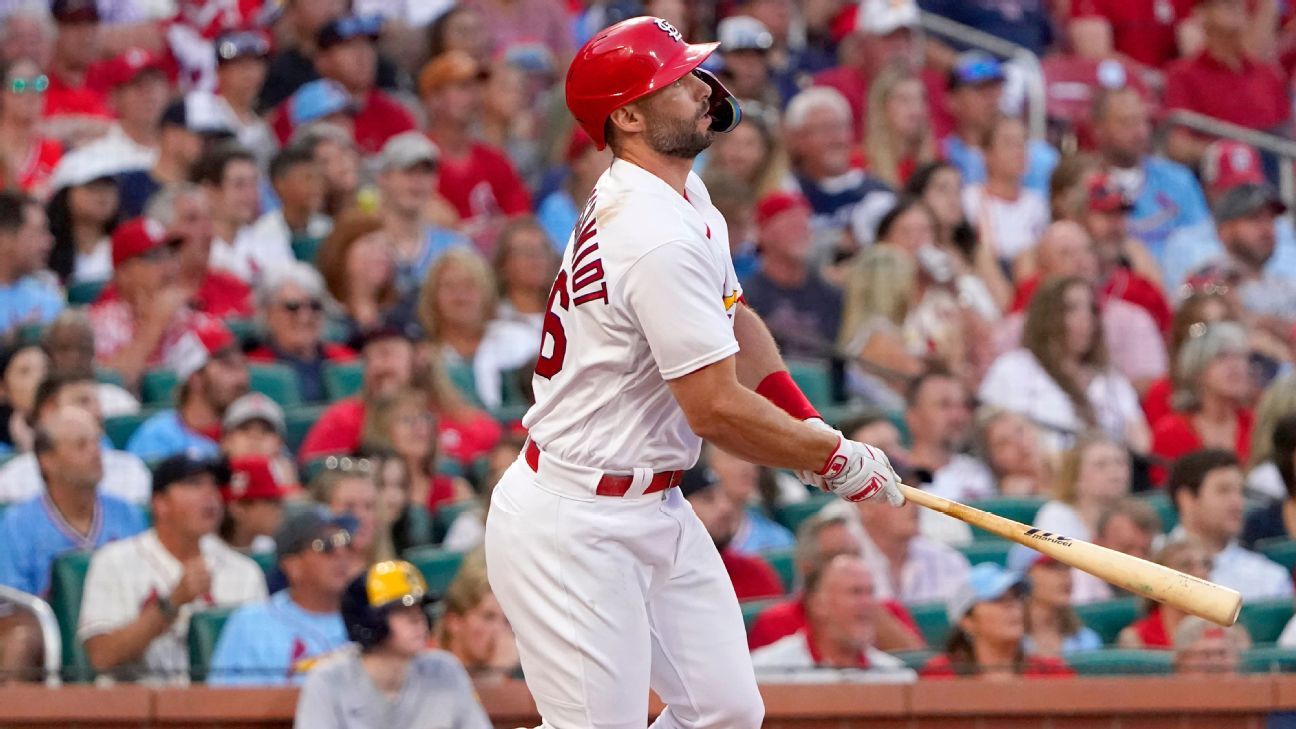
880 292
1264 479
405 424
898 136
457 307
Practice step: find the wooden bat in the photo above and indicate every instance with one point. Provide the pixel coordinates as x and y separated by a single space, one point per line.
1208 600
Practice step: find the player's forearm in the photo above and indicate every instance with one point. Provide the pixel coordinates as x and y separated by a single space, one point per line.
758 354
755 430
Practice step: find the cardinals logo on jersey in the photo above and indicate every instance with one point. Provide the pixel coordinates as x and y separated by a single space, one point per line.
730 299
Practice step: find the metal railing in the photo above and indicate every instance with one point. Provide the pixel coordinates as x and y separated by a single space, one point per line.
1036 114
1263 141
51 640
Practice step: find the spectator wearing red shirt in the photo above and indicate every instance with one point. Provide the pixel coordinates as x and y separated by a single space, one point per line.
819 539
1225 82
1212 390
988 615
1199 308
292 301
29 157
75 100
752 576
474 177
346 54
1143 31
186 212
405 424
1157 627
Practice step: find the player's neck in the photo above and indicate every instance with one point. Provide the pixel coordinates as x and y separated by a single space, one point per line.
672 170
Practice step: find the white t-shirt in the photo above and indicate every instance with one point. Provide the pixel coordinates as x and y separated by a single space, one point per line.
650 294
257 248
1016 381
788 660
129 154
1016 225
963 479
127 574
124 477
1060 517
95 265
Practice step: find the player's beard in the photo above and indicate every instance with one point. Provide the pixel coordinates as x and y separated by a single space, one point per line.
678 137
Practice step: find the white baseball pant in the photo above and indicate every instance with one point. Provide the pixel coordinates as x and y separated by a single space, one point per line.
609 596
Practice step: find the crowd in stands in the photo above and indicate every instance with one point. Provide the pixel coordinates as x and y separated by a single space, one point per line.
274 275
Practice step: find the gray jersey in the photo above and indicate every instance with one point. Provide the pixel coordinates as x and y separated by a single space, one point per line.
437 695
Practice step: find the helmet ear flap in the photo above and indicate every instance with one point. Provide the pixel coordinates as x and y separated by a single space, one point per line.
725 111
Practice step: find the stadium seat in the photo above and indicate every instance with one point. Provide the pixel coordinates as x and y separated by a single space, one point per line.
784 563
1268 660
204 629
439 566
815 381
791 515
1017 508
1109 617
158 386
109 376
446 514
305 249
297 422
84 293
277 382
462 377
916 659
120 428
751 609
267 561
343 379
987 550
1280 549
1160 501
244 329
1121 662
67 582
933 621
1265 619
419 527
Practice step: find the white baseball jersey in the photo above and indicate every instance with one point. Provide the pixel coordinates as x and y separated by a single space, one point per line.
646 293
127 574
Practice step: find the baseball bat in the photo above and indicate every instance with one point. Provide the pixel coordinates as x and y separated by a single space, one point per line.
1215 603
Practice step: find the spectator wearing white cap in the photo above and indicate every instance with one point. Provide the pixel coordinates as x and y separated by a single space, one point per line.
83 212
29 155
139 90
407 183
253 427
837 644
26 296
212 374
745 44
179 145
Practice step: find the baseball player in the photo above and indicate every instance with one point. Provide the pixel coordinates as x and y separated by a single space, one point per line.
610 582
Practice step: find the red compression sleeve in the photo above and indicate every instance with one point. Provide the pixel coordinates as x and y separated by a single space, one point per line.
780 389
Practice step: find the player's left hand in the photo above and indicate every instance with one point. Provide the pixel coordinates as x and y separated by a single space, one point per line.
810 478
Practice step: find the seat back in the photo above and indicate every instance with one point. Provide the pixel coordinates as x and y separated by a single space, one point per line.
1109 617
932 619
343 379
67 583
439 566
204 630
1264 620
784 563
1121 662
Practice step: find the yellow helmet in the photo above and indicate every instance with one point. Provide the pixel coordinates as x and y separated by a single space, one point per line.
390 584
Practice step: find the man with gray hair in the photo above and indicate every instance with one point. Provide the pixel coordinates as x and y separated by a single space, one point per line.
1203 648
28 32
847 203
291 301
186 213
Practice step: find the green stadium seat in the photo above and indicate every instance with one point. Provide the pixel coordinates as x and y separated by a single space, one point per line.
1160 501
1017 508
1270 659
120 428
462 377
343 379
305 248
1265 619
987 550
244 329
204 630
84 293
791 515
419 529
751 609
67 582
1280 549
336 332
784 563
933 621
158 386
446 514
814 380
277 382
916 659
297 422
109 376
439 566
267 561
1109 617
1121 662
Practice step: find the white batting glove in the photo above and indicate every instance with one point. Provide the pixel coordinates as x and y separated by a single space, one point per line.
857 471
810 478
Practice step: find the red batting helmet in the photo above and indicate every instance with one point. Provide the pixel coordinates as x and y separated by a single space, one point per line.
632 59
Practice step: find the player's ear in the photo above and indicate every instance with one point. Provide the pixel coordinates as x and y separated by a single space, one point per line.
628 118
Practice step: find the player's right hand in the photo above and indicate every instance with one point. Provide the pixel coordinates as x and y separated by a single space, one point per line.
857 471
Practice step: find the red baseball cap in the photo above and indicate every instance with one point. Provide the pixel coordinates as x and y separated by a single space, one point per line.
137 237
207 339
1106 197
777 202
130 64
252 479
1227 164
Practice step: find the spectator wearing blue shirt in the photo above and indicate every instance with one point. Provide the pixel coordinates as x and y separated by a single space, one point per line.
28 294
976 86
275 642
69 515
1168 201
1024 22
212 373
559 209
